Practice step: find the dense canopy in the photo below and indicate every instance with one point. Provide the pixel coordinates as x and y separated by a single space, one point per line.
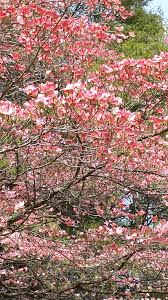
83 156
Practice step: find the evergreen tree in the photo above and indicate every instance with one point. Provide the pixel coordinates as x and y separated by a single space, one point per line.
149 31
135 3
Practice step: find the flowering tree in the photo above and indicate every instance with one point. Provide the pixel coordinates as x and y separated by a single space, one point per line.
83 156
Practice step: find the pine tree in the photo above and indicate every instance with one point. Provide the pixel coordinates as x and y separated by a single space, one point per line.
149 31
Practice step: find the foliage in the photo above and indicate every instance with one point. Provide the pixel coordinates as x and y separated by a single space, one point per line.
133 4
84 164
149 31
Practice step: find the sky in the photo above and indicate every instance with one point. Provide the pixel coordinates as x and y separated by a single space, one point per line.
163 4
